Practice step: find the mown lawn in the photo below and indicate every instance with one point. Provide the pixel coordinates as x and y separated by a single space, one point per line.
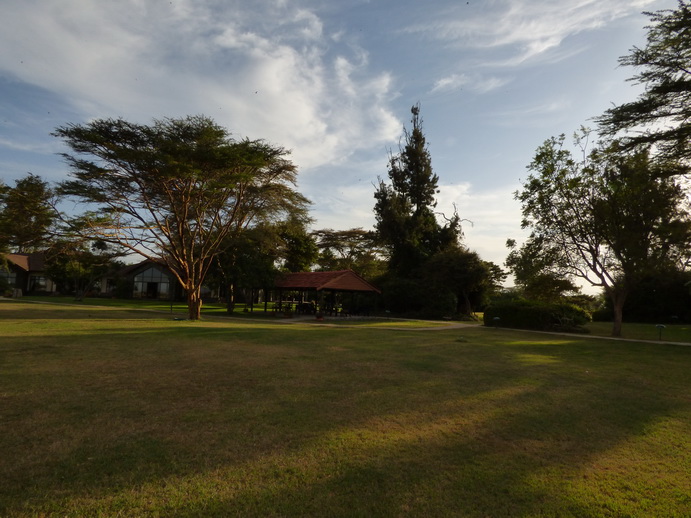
117 412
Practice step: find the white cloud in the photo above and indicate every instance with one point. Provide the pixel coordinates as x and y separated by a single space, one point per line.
450 83
476 83
269 71
523 30
490 217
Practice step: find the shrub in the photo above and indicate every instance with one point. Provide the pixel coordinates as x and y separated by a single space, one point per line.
540 316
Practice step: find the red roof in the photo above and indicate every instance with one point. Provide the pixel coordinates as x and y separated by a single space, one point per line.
28 262
341 280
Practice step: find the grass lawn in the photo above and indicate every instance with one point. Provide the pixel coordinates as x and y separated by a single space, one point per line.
117 412
631 331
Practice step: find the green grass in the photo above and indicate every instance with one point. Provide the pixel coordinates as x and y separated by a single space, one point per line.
154 305
632 331
118 412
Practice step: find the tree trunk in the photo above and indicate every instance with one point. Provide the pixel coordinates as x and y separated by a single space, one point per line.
618 300
464 307
231 298
194 303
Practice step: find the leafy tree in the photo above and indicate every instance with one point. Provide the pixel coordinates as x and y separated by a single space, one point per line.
26 214
662 113
462 272
353 249
248 261
662 297
404 210
533 266
298 249
608 219
76 264
176 189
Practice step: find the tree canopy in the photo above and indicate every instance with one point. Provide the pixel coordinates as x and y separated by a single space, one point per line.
536 267
353 249
26 214
430 273
608 219
404 210
661 115
176 189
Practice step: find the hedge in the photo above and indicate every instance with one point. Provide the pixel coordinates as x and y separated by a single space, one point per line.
539 316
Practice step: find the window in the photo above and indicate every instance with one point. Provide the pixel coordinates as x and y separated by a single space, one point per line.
37 283
152 283
9 277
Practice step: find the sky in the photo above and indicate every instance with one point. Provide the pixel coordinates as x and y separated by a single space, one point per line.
331 80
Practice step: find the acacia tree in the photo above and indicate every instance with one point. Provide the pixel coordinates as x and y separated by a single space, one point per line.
662 113
174 190
406 222
608 219
26 214
353 249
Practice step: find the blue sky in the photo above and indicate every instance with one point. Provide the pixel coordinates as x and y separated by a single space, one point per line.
331 80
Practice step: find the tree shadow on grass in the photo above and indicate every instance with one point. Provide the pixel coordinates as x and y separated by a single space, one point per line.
409 426
519 462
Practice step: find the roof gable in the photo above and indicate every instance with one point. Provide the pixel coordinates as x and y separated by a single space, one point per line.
340 280
33 262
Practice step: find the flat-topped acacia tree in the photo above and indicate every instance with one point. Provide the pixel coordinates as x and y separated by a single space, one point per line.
175 190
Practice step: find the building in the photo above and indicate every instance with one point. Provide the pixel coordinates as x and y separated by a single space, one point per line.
150 280
26 273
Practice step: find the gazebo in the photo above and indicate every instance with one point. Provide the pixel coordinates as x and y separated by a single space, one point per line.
338 292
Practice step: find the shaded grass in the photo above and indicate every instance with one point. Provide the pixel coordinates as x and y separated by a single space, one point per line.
111 412
634 331
155 305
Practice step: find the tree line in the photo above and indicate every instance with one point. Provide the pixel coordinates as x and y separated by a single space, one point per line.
218 210
612 210
615 212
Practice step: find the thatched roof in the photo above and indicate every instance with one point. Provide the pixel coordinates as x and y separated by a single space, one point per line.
341 280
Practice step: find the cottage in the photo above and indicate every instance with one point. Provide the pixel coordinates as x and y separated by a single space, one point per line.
25 274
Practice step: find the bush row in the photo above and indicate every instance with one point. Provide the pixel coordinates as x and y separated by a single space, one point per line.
539 316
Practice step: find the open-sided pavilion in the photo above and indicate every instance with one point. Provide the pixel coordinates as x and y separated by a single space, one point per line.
337 292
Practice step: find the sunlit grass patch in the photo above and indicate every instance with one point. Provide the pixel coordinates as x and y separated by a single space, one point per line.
536 359
134 414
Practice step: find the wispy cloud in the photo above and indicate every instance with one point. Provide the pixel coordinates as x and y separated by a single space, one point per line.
531 115
522 30
476 83
31 147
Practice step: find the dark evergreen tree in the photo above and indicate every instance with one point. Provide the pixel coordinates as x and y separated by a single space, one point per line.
298 248
466 276
662 113
404 210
